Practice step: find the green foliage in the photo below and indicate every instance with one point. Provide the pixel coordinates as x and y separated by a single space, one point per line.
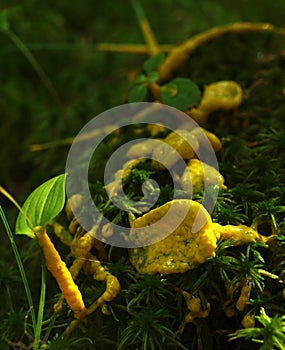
139 91
271 335
42 205
148 291
137 176
20 266
248 266
12 325
151 65
268 209
227 210
148 329
181 93
59 343
222 264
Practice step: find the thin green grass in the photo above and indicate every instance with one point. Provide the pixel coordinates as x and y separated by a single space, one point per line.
38 329
37 67
36 322
5 28
139 12
20 266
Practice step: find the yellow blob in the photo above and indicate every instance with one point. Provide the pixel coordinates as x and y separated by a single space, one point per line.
145 147
214 140
185 143
198 173
155 129
221 95
183 249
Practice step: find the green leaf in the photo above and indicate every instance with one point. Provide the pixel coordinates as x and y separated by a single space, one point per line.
153 77
181 93
141 79
42 205
153 62
138 93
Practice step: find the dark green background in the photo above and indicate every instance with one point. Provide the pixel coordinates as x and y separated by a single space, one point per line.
87 81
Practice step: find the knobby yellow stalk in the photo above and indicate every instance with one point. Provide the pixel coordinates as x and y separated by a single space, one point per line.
94 267
113 287
61 273
80 248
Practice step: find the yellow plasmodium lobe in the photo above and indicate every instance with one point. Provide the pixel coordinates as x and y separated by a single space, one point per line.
62 275
182 249
221 95
198 174
180 142
244 296
241 233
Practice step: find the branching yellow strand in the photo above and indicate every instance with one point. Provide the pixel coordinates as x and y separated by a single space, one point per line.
141 49
182 52
113 287
79 249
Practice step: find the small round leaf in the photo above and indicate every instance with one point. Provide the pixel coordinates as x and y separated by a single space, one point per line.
181 93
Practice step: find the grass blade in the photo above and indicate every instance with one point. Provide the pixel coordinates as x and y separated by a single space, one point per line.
35 64
41 310
20 266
